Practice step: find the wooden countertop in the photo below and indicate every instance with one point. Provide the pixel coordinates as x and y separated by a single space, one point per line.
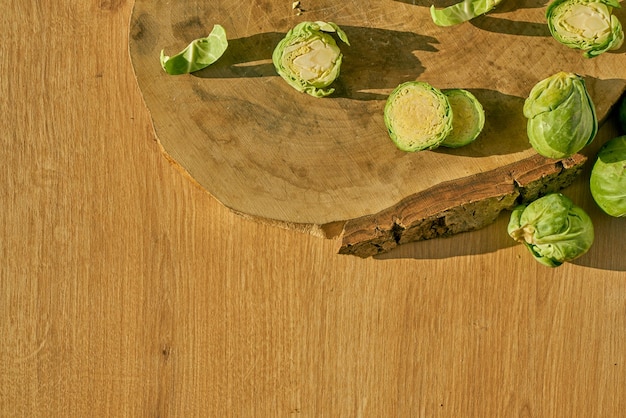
127 290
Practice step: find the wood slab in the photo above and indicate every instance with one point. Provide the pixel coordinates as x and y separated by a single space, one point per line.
327 165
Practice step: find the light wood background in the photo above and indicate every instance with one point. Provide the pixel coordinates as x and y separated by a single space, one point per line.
127 290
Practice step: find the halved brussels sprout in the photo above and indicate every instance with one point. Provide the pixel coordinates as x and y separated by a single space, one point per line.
468 120
561 116
608 177
587 25
552 228
199 54
308 57
418 116
461 12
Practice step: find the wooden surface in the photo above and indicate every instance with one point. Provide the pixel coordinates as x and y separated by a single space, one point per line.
127 290
268 151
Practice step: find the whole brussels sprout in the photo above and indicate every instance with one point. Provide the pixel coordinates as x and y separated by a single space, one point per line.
587 25
308 57
468 120
561 116
418 116
608 177
552 228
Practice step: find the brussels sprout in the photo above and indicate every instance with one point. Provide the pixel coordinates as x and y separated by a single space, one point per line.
468 120
308 57
552 228
461 12
587 25
418 116
608 177
199 54
561 116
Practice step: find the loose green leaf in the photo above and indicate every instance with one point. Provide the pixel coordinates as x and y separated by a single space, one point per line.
199 54
587 25
461 12
308 57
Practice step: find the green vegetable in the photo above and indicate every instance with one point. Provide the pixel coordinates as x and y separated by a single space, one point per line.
308 57
552 228
608 177
561 117
199 54
418 116
468 120
462 11
587 25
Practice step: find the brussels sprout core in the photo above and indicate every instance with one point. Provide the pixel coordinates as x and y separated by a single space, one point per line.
308 57
523 234
469 118
418 116
587 25
312 61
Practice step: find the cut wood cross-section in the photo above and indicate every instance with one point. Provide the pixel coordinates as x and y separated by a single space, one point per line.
327 165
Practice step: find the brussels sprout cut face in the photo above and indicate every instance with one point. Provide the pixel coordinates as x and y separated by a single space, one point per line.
313 61
561 117
553 229
586 25
418 116
468 121
308 58
608 177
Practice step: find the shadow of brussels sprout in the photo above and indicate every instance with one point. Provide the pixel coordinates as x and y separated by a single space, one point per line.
491 23
501 134
245 57
379 59
376 59
428 3
505 6
510 27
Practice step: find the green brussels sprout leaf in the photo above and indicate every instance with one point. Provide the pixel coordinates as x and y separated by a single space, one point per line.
587 25
308 57
608 177
461 12
199 54
561 116
418 116
552 228
468 121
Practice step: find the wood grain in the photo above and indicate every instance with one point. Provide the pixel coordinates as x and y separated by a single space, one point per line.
127 290
269 152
